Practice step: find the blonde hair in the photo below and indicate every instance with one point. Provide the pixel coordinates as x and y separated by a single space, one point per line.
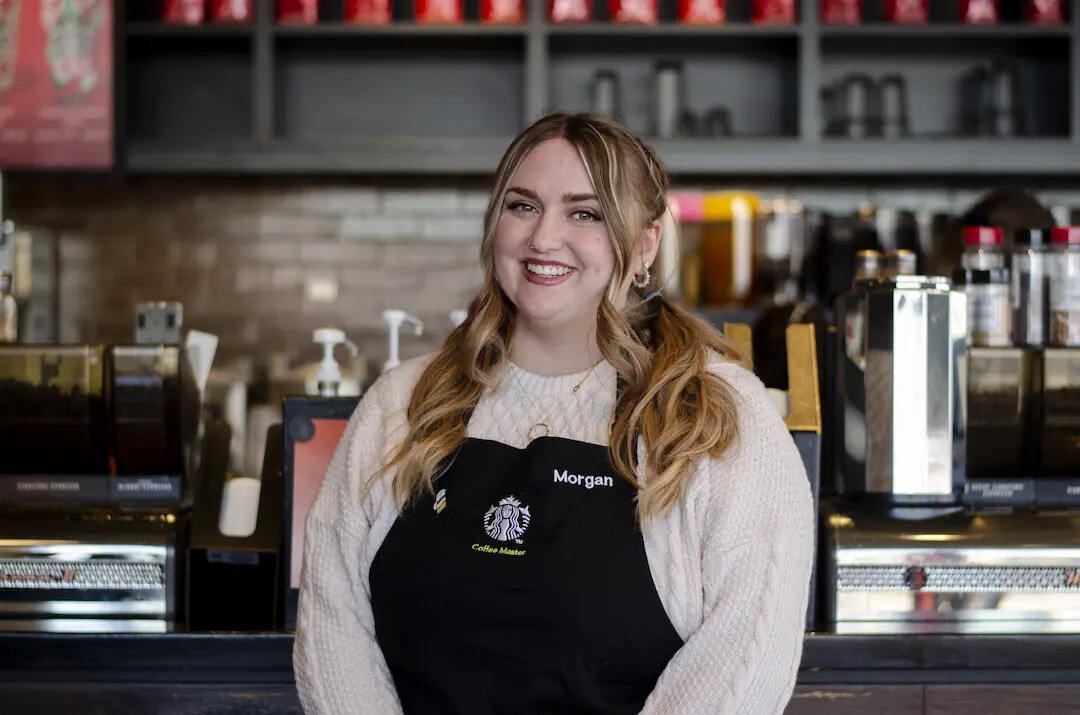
666 395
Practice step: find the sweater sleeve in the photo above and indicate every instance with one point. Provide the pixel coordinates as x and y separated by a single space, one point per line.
757 551
338 665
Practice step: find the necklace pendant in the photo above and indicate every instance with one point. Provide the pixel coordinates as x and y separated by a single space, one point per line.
530 436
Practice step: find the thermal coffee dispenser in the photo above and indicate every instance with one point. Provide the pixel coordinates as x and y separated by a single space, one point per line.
900 403
901 551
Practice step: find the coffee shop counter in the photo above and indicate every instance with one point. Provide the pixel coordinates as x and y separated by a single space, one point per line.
249 673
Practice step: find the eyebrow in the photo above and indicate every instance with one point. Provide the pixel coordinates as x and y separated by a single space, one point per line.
567 198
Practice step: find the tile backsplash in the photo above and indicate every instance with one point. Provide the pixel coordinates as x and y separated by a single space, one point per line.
258 262
261 262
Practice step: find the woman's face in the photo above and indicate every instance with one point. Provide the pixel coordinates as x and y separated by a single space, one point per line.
553 256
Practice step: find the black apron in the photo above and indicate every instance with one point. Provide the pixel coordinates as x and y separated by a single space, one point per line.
522 587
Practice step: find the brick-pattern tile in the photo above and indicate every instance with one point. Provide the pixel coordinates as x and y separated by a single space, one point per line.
422 202
240 254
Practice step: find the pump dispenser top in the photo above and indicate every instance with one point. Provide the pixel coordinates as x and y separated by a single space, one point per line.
328 377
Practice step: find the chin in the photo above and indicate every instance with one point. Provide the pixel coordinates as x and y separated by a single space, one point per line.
554 313
541 310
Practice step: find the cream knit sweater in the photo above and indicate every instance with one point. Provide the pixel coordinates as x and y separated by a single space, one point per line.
731 562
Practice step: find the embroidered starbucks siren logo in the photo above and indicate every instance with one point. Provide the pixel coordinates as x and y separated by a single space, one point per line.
507 520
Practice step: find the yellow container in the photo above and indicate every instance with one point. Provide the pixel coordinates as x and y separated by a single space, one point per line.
728 248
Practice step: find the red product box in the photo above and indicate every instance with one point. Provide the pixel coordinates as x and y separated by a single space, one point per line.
1049 12
231 10
702 12
841 12
498 12
635 12
304 12
570 10
368 12
978 12
774 11
912 12
439 12
184 12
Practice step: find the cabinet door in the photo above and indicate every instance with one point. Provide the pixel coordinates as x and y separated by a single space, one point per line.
856 700
1002 699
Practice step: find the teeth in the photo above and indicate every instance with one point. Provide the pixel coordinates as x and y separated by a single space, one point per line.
546 270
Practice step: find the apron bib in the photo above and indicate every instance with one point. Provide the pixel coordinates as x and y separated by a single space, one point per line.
522 587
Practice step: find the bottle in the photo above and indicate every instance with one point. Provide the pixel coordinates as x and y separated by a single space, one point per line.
983 248
900 262
394 320
328 377
9 311
1031 286
1065 286
988 308
783 244
867 265
728 249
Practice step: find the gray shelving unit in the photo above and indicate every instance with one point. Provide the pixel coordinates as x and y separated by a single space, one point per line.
415 99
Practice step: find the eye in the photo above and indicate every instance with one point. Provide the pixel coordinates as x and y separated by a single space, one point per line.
585 215
520 206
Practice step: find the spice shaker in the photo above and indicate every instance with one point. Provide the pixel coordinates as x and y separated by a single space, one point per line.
1065 286
9 312
983 248
988 307
1030 286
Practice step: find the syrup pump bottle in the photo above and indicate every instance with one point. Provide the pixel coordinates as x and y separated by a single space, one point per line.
328 377
394 320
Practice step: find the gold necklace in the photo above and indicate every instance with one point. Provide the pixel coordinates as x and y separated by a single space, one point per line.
540 423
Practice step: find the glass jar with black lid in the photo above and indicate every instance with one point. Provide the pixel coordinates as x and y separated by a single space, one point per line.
1065 287
989 310
1031 287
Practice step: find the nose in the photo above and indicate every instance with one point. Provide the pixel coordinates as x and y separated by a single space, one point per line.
547 234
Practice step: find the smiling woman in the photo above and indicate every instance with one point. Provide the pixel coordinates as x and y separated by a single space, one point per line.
553 255
679 587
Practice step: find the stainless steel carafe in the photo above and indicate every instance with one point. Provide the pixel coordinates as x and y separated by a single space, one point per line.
900 398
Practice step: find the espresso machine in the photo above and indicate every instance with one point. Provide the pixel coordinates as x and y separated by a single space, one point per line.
97 443
903 548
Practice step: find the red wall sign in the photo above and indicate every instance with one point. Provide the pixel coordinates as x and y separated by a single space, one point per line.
56 84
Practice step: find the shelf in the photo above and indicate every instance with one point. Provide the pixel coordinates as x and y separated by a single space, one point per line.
400 29
732 157
603 29
180 90
162 29
952 31
330 87
390 155
873 157
411 99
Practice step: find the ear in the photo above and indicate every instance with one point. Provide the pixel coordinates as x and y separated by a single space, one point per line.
648 246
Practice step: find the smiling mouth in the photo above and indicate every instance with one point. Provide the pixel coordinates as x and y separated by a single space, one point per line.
547 270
